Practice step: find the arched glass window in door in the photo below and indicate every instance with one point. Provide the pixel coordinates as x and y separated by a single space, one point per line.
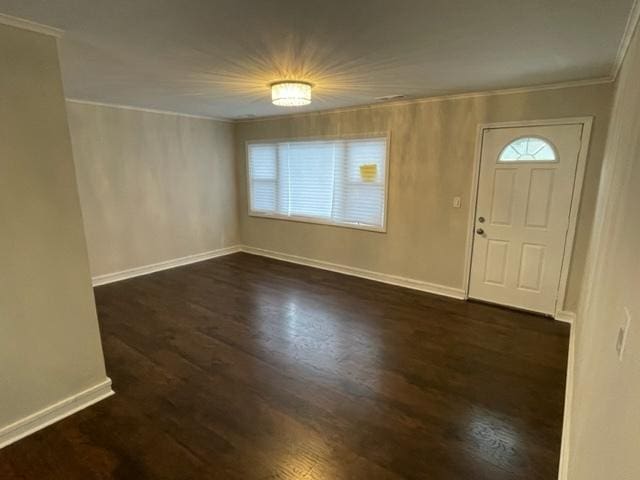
528 149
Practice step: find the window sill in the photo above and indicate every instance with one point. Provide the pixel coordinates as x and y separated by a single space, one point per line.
353 226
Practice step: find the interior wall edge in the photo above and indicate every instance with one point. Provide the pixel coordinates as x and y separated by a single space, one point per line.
24 24
565 316
625 41
50 342
55 412
604 427
563 468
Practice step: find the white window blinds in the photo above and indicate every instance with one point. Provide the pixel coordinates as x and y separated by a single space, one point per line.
340 182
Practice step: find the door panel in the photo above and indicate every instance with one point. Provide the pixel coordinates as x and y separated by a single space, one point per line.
525 187
539 199
496 269
531 267
502 197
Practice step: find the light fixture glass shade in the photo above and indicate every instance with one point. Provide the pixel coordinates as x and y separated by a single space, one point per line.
291 93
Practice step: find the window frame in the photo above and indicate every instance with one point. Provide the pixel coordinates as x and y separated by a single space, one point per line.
314 220
520 162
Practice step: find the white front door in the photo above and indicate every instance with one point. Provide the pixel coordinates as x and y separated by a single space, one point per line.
526 182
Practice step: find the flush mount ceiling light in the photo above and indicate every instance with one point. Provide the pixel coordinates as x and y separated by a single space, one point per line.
291 93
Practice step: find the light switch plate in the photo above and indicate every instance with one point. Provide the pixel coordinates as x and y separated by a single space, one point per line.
457 202
623 333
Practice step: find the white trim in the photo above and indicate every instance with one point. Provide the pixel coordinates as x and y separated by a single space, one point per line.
437 98
578 183
165 265
53 413
328 136
586 123
434 288
565 316
563 468
147 110
625 41
414 284
31 26
319 221
473 204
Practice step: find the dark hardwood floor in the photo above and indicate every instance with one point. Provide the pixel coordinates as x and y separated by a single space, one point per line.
248 368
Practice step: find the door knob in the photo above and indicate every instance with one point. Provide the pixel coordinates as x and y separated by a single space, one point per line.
480 231
481 219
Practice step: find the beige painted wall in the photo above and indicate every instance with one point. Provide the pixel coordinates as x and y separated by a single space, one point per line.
431 159
49 339
153 187
605 419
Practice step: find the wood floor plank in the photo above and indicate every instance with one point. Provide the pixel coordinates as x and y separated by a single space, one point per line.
248 368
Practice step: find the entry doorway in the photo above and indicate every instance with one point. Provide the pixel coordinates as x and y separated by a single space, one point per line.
527 189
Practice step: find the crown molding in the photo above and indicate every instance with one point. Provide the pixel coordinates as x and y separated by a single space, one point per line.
439 98
625 41
147 110
31 26
368 106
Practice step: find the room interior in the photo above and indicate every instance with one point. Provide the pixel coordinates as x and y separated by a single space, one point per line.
322 241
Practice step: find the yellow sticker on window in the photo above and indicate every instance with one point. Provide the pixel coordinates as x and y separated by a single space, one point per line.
369 172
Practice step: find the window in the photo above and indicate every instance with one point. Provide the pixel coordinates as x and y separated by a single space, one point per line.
528 149
338 182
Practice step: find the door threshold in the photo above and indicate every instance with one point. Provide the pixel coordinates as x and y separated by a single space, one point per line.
511 307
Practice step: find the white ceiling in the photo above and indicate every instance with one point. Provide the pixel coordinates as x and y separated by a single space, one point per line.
217 57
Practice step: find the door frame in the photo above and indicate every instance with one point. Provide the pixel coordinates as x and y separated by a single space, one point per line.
587 123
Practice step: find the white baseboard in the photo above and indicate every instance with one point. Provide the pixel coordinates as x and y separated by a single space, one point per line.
565 316
446 291
457 293
53 413
165 265
563 471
